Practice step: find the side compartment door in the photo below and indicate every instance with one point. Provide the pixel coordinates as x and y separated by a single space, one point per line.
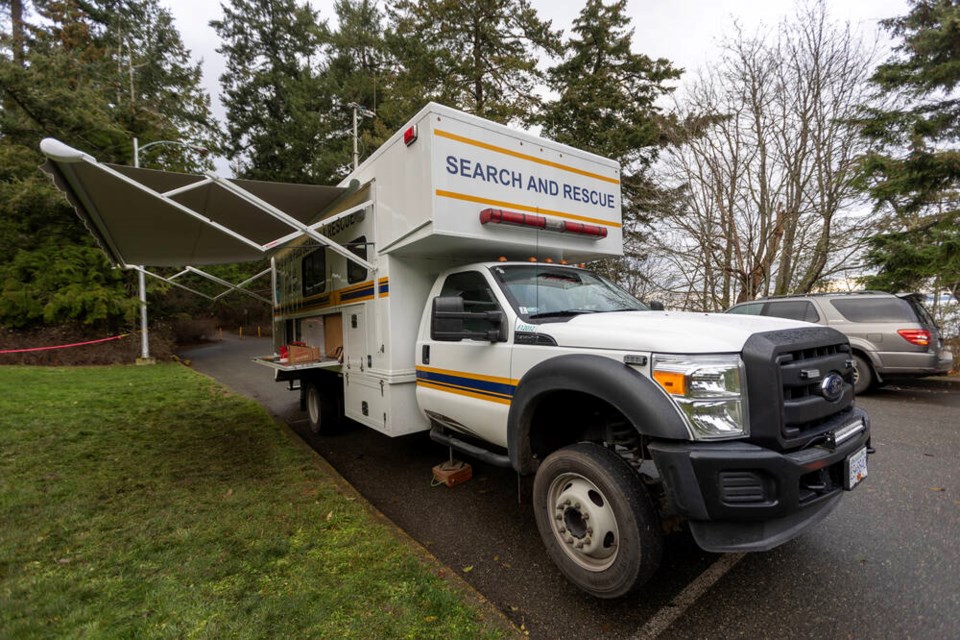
465 384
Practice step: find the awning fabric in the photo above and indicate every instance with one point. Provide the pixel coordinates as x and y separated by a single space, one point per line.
124 208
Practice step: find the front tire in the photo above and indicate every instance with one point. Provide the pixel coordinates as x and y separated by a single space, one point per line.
323 410
596 519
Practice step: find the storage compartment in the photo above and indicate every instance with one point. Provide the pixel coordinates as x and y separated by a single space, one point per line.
389 408
355 344
365 400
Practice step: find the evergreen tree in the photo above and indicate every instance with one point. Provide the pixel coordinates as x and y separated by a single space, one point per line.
606 103
78 72
914 171
476 55
276 110
357 71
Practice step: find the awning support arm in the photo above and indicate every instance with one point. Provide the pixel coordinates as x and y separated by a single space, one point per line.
186 187
168 280
317 225
240 288
268 208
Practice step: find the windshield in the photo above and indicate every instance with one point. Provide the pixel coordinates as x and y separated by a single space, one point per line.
540 291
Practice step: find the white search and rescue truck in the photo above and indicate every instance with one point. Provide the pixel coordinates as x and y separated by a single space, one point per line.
438 289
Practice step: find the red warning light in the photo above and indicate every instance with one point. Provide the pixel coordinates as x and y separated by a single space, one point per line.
410 135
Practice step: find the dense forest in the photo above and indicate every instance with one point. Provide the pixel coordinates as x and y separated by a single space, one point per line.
798 157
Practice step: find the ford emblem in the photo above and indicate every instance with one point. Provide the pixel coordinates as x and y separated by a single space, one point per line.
831 387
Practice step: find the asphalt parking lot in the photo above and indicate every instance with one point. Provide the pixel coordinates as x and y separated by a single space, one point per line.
885 564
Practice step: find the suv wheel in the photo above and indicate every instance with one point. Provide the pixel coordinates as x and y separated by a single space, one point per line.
862 375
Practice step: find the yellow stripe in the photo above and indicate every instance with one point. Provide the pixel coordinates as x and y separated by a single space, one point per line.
523 156
470 394
471 376
523 207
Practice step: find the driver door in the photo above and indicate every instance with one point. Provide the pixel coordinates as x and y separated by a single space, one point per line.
465 384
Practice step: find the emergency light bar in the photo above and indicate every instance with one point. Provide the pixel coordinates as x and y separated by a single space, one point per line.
499 216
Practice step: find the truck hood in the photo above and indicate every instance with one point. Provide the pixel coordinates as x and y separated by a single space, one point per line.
663 331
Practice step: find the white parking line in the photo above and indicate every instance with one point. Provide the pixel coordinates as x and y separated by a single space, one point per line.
662 620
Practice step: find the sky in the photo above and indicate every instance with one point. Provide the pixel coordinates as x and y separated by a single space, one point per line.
686 32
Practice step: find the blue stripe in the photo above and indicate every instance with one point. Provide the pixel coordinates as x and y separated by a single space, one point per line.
479 386
385 288
366 291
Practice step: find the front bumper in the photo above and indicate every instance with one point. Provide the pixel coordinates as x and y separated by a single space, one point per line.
743 497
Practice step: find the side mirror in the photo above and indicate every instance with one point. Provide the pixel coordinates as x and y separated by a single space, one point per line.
446 320
656 305
447 316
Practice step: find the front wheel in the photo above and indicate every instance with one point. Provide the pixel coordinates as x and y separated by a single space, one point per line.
597 520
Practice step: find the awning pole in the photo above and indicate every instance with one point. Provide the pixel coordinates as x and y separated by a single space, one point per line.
144 339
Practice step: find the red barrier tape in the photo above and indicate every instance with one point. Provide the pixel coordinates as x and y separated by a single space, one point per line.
66 346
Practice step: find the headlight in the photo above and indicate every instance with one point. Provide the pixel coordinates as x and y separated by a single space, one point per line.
710 391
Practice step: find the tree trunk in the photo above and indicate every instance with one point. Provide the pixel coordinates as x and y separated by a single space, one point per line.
16 18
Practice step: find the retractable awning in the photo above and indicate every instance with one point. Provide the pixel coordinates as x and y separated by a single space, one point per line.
161 218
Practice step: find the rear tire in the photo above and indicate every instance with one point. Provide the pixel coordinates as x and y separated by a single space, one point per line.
863 378
323 409
596 519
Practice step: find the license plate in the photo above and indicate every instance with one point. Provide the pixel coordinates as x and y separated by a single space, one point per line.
856 469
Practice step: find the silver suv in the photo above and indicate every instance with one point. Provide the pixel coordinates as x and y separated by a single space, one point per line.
890 335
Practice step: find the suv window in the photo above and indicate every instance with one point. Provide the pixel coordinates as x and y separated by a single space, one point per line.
875 310
793 310
751 309
925 318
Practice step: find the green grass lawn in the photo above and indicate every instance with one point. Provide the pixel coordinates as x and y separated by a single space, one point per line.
151 502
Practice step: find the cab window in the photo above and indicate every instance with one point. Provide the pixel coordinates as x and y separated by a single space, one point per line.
477 295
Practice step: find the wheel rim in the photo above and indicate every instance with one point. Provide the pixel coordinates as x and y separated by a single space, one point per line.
313 406
583 521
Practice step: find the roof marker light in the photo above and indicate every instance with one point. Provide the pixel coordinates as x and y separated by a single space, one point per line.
499 216
584 229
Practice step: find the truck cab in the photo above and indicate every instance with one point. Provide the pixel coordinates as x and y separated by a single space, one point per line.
748 430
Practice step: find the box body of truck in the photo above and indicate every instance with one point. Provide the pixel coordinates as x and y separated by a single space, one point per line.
448 189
